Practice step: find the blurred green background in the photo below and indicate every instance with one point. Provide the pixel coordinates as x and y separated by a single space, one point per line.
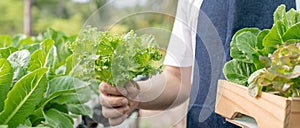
69 16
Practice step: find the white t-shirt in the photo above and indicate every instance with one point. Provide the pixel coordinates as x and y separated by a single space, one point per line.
181 49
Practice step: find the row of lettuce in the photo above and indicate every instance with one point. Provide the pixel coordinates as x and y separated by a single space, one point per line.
39 81
268 60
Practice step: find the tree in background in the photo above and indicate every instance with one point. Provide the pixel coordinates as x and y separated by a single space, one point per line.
27 17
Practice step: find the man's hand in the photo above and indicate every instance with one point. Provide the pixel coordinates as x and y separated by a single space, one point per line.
117 102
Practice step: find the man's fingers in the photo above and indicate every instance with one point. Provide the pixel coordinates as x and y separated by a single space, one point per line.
114 112
112 101
132 89
108 89
117 121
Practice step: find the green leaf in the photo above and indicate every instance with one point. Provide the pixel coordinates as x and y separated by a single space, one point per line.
71 98
246 42
60 71
280 15
274 37
254 90
36 117
6 76
293 17
64 83
77 97
3 126
23 98
25 43
69 65
45 57
5 41
238 72
292 33
16 39
115 59
51 58
260 38
235 52
80 109
57 119
60 40
33 47
134 57
19 60
37 60
27 123
46 45
47 101
5 52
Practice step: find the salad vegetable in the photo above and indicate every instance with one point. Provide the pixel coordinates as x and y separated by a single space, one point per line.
36 89
117 59
268 60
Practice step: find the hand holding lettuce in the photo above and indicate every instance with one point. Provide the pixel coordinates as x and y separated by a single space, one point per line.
115 60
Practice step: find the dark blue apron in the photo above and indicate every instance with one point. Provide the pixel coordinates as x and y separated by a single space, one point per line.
218 21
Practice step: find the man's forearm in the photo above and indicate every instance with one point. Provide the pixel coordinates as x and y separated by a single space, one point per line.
165 90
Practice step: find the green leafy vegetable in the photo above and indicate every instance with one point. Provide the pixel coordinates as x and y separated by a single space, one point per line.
292 35
5 41
284 72
37 82
3 126
117 58
44 57
64 83
23 98
80 109
274 38
57 119
19 61
5 52
241 54
274 54
238 72
6 76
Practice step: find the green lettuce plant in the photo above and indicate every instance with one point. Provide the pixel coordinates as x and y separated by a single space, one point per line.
36 88
117 59
267 60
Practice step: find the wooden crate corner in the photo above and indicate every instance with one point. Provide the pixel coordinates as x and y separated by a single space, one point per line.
269 111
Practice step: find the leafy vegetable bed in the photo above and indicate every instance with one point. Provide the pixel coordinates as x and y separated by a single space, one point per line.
36 86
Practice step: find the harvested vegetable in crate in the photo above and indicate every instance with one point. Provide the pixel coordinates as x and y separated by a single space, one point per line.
268 60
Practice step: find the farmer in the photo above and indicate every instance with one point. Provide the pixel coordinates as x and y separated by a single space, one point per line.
198 49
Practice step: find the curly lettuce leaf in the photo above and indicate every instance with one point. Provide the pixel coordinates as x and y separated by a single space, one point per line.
283 74
117 59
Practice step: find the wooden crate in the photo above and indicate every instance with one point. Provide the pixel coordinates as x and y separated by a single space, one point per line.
269 111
